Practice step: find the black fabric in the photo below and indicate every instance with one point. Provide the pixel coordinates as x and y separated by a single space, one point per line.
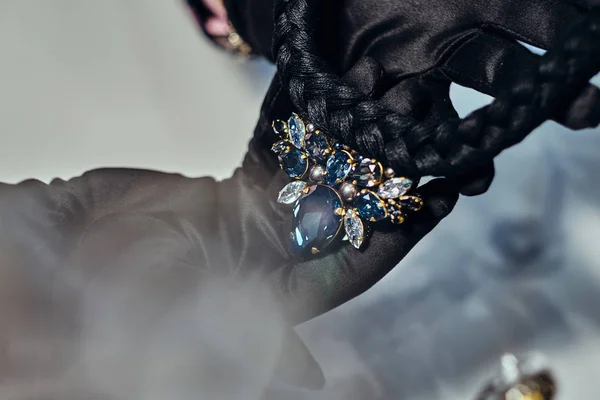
199 230
422 47
453 148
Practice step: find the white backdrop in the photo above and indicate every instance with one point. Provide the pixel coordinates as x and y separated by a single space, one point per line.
86 84
118 83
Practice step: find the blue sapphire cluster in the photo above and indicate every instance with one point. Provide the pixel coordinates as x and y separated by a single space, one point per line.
335 187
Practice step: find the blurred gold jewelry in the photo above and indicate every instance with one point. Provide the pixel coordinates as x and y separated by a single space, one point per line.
534 387
237 44
518 382
233 41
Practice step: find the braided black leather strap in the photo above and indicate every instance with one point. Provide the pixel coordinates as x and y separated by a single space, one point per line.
452 148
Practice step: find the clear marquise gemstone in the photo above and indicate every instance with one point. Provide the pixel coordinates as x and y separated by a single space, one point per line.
297 131
394 188
292 192
355 230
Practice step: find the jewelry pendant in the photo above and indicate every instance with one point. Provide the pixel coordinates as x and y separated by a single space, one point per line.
334 187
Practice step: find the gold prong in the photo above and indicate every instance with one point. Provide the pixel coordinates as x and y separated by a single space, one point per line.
339 211
380 180
282 122
398 220
303 156
314 250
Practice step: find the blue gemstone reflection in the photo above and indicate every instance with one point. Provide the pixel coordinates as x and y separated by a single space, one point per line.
315 220
370 206
316 145
294 162
338 167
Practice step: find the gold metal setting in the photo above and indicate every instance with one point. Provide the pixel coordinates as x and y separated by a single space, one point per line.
285 130
394 203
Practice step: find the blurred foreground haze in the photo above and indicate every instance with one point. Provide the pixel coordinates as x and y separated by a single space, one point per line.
117 83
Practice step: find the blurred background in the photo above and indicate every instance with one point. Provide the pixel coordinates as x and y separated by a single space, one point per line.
118 83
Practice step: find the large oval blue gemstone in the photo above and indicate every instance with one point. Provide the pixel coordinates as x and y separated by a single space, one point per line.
370 207
316 222
338 167
294 162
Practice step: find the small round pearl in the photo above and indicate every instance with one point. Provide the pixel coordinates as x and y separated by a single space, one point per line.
317 174
389 173
310 128
348 191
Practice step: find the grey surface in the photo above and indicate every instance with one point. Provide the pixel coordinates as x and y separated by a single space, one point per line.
131 83
118 83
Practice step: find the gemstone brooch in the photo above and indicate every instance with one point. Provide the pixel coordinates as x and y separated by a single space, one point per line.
335 187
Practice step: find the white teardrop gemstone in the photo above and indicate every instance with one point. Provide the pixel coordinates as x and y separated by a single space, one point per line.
394 188
297 131
292 192
355 229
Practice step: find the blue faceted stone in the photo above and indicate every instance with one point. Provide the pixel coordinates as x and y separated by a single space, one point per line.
316 145
367 173
315 221
294 162
297 131
369 206
338 167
